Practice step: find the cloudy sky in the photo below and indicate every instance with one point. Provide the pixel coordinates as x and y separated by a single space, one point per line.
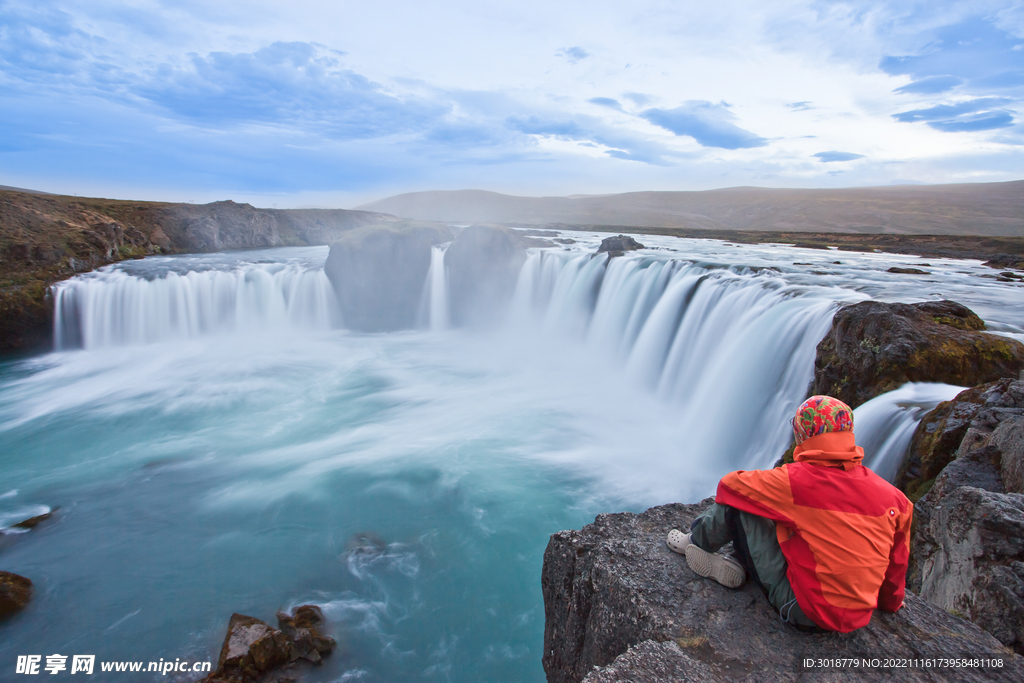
316 103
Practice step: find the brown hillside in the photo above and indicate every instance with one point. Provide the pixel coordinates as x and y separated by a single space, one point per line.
995 209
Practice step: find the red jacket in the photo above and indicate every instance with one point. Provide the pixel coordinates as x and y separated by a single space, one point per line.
844 530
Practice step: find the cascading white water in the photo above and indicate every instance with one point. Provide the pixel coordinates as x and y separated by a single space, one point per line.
885 425
111 307
734 351
434 301
711 341
731 348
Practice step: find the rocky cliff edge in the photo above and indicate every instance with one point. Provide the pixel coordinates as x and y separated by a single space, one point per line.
620 606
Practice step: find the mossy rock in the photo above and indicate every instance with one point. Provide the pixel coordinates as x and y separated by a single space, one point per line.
874 347
940 432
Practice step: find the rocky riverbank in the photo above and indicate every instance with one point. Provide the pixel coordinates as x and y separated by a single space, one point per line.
48 238
620 606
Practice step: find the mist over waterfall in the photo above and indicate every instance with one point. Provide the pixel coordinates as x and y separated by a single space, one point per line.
392 428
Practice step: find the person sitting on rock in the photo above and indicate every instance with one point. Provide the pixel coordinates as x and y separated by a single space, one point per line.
824 537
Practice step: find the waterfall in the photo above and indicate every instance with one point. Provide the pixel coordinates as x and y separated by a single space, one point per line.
434 301
734 351
885 425
111 307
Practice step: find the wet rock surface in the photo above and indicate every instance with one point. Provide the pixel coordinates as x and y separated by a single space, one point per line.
15 593
33 522
968 545
907 271
618 245
254 651
378 273
874 347
941 431
616 597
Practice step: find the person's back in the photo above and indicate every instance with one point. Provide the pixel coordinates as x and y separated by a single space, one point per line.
842 530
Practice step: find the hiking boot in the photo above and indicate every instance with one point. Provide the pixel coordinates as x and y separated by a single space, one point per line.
724 569
677 541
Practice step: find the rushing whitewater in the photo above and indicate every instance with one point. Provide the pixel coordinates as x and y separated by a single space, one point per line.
116 307
885 425
217 441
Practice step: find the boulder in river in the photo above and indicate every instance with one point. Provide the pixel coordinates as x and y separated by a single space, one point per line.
303 627
874 347
908 271
379 272
254 651
15 592
620 606
618 245
483 264
33 522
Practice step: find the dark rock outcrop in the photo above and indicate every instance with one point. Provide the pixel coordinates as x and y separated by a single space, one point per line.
968 546
616 597
907 271
941 431
618 245
15 592
255 651
378 273
1006 261
874 347
303 628
483 264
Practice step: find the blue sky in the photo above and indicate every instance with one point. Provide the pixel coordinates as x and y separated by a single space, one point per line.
306 103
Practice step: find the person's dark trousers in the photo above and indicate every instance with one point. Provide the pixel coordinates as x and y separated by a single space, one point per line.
757 548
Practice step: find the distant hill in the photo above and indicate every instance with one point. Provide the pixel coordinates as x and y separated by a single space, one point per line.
966 209
8 188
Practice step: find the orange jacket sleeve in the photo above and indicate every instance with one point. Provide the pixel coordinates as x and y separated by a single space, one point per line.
892 591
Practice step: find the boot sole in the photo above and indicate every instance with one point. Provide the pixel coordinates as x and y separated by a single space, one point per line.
717 567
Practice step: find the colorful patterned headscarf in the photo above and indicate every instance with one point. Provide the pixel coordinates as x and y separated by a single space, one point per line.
821 414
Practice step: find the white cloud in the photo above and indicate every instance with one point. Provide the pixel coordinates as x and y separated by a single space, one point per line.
525 96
